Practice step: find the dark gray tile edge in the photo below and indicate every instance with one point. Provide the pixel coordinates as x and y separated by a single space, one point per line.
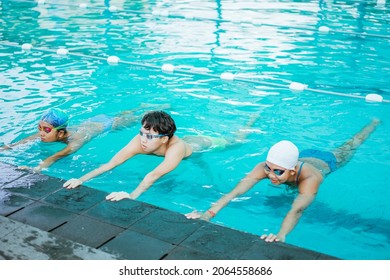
261 250
88 231
42 215
133 245
122 213
24 242
164 224
11 203
199 242
77 200
33 185
10 173
183 253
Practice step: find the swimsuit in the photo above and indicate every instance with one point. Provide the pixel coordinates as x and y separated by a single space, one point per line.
299 172
105 120
327 157
216 142
202 143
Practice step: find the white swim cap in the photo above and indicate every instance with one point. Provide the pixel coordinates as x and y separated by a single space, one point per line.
284 154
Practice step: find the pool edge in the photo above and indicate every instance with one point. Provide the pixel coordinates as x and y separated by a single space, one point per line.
56 223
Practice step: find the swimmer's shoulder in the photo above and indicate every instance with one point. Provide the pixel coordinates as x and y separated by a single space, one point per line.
76 136
175 140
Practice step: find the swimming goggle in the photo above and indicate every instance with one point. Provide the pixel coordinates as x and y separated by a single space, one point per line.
277 172
151 136
45 128
48 129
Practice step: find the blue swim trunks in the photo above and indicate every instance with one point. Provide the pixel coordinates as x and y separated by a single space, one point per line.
328 157
103 119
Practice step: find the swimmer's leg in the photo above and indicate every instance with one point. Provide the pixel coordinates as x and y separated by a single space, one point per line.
203 143
124 119
242 134
198 143
345 152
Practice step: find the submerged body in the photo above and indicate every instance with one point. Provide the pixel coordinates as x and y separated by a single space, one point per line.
53 127
284 166
156 137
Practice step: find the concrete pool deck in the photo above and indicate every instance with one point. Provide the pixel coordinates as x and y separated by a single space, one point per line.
40 220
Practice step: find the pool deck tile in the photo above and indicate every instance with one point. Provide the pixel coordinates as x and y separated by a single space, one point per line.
183 253
76 200
33 185
133 245
164 225
7 226
88 231
219 242
41 220
9 173
277 251
121 213
43 216
10 202
23 242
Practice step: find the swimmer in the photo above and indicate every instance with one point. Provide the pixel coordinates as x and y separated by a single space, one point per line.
202 143
53 127
282 166
156 137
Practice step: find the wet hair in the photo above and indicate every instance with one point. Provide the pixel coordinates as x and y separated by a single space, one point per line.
56 117
160 122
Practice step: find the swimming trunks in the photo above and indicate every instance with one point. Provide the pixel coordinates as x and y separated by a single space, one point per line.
328 157
216 142
103 119
201 143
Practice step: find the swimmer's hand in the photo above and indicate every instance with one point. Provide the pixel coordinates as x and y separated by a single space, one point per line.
198 215
273 238
72 183
23 167
116 196
34 169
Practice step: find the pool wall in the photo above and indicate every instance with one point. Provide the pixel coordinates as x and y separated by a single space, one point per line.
40 220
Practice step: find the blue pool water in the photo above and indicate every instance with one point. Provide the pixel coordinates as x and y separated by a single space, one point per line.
267 45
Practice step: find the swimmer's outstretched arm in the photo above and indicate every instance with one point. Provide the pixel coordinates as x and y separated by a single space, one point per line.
52 159
124 154
301 202
256 175
69 149
308 189
20 142
45 163
172 158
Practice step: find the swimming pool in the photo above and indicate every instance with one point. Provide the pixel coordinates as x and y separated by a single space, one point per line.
267 46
